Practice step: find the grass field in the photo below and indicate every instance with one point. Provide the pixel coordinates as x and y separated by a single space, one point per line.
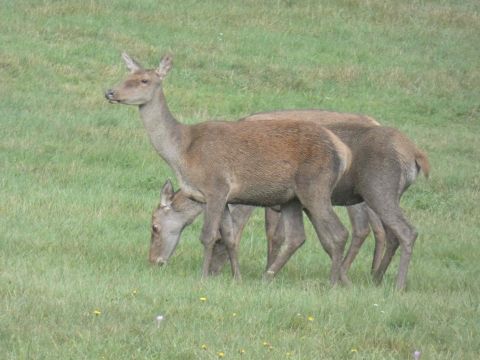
79 179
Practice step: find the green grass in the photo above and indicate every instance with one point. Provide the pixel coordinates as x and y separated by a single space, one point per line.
78 178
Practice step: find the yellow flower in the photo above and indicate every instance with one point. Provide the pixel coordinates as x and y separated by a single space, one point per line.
204 347
242 351
234 314
265 343
221 354
97 312
203 298
134 292
354 350
310 318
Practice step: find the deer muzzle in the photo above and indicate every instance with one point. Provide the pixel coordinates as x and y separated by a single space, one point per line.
159 261
110 96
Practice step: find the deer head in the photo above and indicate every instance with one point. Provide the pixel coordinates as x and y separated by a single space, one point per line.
141 84
173 213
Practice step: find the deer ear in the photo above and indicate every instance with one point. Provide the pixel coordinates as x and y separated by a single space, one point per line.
166 195
132 65
165 66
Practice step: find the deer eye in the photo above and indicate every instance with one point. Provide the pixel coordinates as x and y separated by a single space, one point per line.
145 81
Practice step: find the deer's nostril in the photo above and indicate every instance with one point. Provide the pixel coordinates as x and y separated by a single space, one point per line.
109 94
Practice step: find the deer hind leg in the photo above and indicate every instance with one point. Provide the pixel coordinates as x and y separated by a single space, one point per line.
399 232
380 238
392 245
360 230
275 231
294 233
330 231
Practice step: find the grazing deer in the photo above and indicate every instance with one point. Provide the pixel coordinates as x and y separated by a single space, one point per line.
288 163
176 211
385 162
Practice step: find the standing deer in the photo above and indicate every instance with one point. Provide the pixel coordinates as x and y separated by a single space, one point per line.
169 221
288 163
385 162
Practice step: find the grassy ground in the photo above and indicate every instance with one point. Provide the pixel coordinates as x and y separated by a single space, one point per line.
78 178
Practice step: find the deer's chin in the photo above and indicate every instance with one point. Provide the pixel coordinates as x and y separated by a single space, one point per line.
124 102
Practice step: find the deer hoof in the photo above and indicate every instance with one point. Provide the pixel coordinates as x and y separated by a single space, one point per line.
268 275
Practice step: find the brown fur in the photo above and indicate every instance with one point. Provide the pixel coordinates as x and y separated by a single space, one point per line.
259 163
389 143
384 164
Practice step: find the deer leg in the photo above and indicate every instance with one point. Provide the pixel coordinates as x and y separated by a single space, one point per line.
395 222
240 215
330 231
275 231
380 238
292 219
228 237
214 209
219 257
360 230
392 245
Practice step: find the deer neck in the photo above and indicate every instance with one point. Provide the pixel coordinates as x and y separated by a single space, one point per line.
164 130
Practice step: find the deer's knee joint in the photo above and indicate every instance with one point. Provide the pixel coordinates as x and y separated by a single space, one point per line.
361 233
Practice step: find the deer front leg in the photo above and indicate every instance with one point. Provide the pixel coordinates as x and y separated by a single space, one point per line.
275 234
219 256
240 215
213 216
228 236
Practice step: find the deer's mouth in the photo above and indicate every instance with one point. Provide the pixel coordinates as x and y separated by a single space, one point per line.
110 96
159 261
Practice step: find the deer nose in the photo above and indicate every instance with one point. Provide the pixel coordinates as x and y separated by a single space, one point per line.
109 94
158 261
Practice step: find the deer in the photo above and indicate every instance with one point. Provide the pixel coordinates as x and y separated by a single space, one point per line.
168 221
295 165
384 164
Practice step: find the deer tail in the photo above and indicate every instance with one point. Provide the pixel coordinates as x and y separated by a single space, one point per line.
422 162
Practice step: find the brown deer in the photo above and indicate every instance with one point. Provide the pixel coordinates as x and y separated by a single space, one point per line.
362 218
181 211
288 163
176 211
385 162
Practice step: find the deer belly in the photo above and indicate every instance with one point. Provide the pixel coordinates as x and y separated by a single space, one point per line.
261 195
